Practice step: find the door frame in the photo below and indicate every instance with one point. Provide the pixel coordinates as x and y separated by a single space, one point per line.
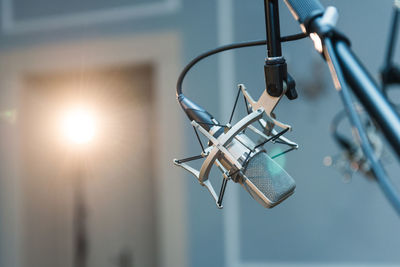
96 53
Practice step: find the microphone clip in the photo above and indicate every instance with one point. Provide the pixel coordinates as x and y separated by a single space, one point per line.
277 78
222 140
268 103
218 147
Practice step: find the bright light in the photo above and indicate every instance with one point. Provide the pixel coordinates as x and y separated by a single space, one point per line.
317 42
79 126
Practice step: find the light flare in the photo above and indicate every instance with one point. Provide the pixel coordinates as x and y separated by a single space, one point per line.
79 126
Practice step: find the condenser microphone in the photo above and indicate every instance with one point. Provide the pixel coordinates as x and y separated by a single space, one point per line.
238 157
266 181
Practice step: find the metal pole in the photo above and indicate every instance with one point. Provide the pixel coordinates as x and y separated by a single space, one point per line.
369 94
388 67
275 68
393 33
273 28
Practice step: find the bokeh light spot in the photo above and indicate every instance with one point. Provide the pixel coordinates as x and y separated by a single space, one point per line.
79 126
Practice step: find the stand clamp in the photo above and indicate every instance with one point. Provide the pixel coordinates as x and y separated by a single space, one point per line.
275 70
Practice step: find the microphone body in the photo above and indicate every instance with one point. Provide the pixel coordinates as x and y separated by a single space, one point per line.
264 179
238 157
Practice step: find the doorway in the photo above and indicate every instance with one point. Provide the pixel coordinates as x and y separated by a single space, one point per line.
118 193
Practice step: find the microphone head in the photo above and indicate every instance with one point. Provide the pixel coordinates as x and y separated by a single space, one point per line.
266 181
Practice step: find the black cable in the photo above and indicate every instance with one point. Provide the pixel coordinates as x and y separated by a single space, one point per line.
209 53
293 37
376 166
217 50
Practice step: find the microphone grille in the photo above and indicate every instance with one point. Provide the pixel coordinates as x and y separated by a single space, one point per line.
267 182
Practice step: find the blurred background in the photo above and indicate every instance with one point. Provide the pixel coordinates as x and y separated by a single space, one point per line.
110 195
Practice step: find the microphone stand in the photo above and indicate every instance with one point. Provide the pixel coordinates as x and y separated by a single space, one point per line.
346 69
275 68
278 82
368 92
390 74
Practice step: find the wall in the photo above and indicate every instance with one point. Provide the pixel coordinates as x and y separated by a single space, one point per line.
326 221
